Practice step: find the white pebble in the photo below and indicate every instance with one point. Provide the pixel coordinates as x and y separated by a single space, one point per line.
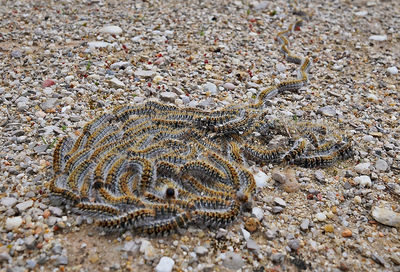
261 179
393 70
258 213
13 222
357 199
114 82
111 30
320 217
364 181
361 13
379 38
386 216
165 265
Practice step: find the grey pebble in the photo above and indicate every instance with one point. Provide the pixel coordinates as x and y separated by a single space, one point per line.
320 176
294 244
9 202
280 201
270 234
144 73
16 54
378 259
24 205
381 165
168 96
363 168
327 111
30 264
50 103
277 209
200 250
30 242
233 261
278 257
57 249
251 244
61 260
5 257
40 148
305 224
210 87
56 211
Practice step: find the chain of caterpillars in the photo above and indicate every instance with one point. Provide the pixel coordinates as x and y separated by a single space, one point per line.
155 168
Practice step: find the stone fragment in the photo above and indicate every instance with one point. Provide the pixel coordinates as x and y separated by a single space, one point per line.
392 70
145 73
229 86
258 213
9 202
261 179
98 44
210 87
233 261
294 244
49 104
347 233
363 168
111 29
280 177
252 245
165 265
320 176
320 217
304 224
386 216
61 260
280 201
24 205
378 38
200 250
381 165
327 111
13 222
168 96
364 181
116 83
48 83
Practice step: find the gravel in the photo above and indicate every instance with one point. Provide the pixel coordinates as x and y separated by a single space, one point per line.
64 62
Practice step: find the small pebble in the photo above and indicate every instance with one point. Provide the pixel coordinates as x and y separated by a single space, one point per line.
233 261
392 70
229 86
258 213
111 29
280 201
13 222
347 233
363 168
200 250
328 228
386 216
304 224
166 264
381 165
320 217
261 179
379 38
